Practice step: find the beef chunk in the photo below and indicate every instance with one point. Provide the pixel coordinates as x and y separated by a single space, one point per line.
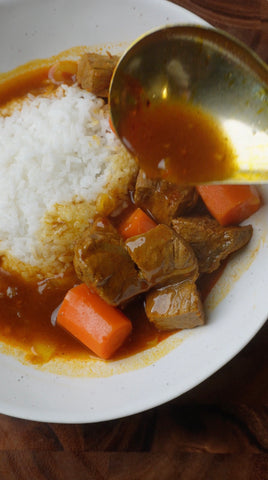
164 200
162 256
95 72
102 261
211 242
175 306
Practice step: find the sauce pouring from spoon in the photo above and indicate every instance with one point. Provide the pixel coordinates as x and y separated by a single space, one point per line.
191 104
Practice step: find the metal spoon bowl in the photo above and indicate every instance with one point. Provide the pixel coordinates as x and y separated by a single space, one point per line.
207 68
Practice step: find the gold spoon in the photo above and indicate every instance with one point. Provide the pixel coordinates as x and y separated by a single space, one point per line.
208 71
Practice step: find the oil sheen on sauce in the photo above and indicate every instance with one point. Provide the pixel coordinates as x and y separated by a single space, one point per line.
178 141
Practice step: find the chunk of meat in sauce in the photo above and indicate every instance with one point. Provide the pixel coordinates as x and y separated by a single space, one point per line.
162 256
211 242
175 306
164 200
102 261
95 71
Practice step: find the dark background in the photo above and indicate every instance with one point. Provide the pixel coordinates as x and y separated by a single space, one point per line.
217 431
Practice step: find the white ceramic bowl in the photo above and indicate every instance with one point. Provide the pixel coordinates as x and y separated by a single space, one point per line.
238 305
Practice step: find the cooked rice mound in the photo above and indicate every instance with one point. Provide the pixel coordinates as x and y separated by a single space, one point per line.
60 165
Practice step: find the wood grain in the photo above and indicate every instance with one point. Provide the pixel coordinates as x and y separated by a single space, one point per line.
247 20
217 431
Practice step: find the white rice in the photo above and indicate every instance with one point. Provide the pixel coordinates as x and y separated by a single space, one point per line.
53 149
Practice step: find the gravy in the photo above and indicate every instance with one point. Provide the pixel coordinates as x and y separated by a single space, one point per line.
178 142
25 321
26 307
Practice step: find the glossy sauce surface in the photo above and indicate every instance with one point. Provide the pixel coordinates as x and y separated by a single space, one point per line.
25 321
41 79
178 142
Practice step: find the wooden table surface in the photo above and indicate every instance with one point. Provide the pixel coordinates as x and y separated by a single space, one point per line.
217 431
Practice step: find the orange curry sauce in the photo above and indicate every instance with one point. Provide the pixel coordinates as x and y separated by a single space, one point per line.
26 308
178 142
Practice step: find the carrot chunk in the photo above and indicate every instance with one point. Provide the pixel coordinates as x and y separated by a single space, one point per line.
137 223
99 326
230 204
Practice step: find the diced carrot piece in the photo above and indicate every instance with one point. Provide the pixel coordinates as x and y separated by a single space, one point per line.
99 326
137 223
230 204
